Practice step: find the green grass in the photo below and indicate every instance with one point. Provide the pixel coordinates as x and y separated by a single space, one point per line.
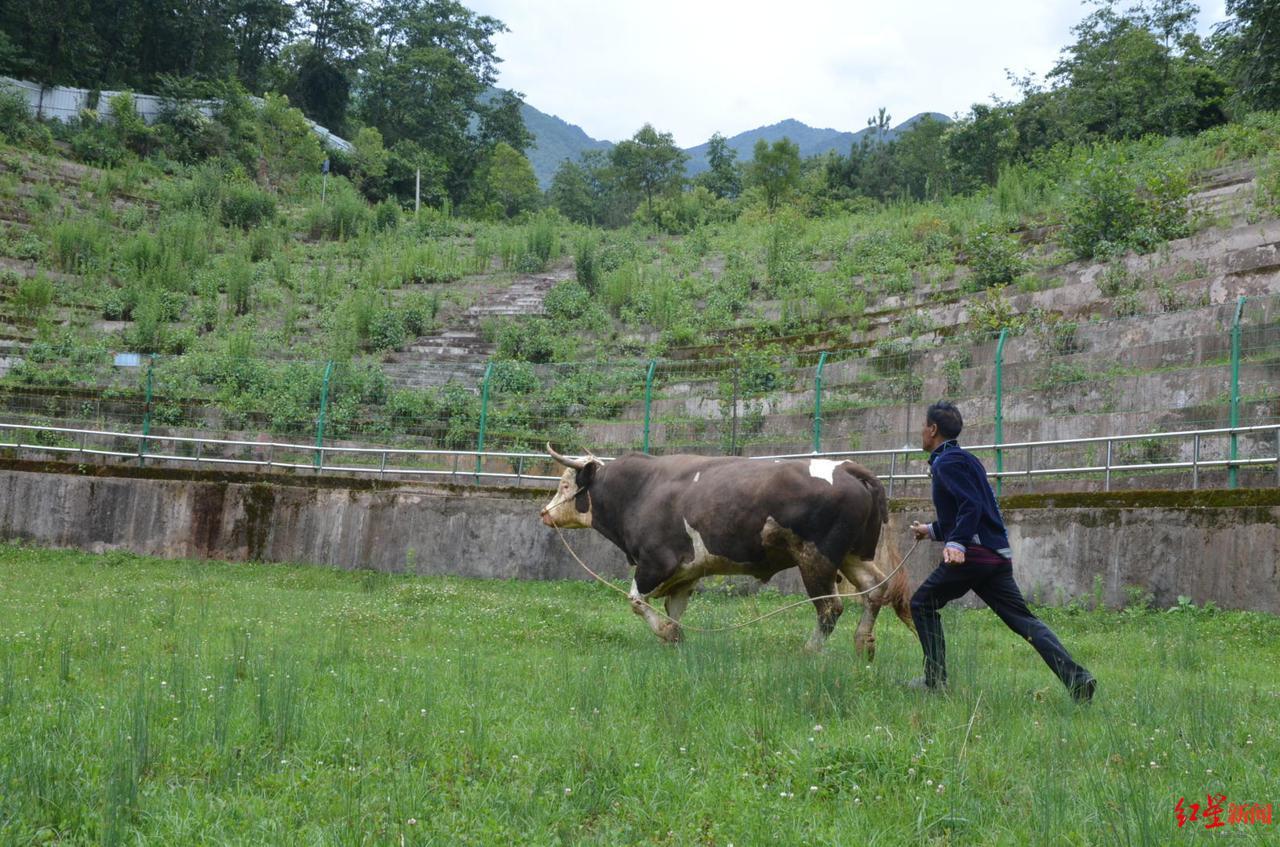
201 702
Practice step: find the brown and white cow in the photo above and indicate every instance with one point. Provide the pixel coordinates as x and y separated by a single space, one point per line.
680 518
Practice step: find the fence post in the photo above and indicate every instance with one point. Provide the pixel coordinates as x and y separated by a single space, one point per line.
324 409
648 400
1000 410
484 416
1233 471
817 404
146 413
733 444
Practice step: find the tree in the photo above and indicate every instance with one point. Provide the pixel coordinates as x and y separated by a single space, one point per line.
510 180
775 168
979 144
501 120
1250 46
288 146
1140 71
369 161
649 162
322 67
434 59
880 122
722 179
258 28
572 195
920 154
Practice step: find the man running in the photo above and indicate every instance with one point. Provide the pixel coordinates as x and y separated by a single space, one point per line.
976 558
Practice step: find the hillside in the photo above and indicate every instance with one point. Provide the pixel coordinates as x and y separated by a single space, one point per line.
554 141
906 303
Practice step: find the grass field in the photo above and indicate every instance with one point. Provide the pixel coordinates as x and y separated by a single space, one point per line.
183 702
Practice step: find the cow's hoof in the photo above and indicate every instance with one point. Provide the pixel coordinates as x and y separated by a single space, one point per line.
671 633
867 650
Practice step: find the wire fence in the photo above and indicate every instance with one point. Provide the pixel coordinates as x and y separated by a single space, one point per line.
1200 368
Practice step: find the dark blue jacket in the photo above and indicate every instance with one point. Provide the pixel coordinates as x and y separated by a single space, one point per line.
966 505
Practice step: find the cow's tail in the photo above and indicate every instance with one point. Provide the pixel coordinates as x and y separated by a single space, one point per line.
898 593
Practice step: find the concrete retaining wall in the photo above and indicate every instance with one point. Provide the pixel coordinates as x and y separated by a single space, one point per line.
1215 545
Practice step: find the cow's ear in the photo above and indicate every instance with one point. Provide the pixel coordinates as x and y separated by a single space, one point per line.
587 475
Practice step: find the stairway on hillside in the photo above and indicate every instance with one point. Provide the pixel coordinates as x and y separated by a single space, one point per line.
458 351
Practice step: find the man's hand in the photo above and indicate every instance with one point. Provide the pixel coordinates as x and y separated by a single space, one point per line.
952 556
920 530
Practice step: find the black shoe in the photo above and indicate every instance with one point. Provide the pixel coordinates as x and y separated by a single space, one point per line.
921 684
1082 691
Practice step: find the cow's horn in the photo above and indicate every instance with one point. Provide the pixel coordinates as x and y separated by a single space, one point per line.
576 464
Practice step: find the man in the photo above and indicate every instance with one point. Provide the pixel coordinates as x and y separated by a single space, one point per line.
976 558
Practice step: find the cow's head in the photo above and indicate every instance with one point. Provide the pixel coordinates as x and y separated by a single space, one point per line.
570 508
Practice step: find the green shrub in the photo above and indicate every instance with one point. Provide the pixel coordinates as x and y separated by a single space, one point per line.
994 258
204 191
542 239
584 263
528 263
1116 279
238 278
386 216
262 244
514 378
187 135
435 223
116 304
244 205
342 216
34 296
78 244
1115 205
15 115
386 329
97 144
526 341
567 301
142 253
133 131
420 313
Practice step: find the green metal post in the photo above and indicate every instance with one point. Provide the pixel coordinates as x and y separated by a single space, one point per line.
146 413
324 410
648 400
1000 410
817 404
1232 481
484 415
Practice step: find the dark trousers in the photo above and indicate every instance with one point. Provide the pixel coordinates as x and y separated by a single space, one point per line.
995 585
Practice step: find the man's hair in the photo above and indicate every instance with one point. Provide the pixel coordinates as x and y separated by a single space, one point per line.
946 417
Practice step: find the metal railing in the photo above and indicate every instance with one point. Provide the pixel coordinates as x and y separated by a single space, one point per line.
1107 469
456 465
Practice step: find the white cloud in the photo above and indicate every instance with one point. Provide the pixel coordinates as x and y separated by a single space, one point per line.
693 68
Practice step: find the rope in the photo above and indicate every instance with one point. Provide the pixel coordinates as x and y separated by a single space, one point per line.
754 620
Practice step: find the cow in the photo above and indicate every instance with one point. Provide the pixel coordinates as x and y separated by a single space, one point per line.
679 518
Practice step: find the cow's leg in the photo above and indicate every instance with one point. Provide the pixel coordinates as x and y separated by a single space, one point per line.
864 574
659 625
677 602
820 580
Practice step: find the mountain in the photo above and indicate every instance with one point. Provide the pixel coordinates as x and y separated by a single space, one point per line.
556 140
811 141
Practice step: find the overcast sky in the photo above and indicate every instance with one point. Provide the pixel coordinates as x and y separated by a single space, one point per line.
694 67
